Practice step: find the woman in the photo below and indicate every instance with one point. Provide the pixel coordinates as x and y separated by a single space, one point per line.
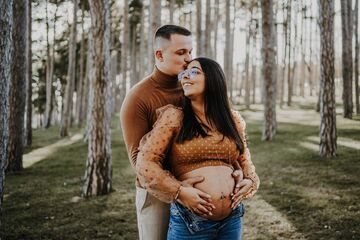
204 138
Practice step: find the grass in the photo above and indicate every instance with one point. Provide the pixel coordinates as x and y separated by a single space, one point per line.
319 196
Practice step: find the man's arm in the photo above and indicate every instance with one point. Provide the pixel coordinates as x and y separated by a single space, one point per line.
134 125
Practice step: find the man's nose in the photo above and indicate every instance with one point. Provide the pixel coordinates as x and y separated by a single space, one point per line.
188 57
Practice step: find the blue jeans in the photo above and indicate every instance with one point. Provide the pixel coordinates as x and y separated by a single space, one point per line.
186 225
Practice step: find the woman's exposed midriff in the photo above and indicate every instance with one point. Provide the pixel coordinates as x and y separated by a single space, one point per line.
219 184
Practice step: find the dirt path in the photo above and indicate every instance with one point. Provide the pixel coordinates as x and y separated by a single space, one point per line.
41 153
262 219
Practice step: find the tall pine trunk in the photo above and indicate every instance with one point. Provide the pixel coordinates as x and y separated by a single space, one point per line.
328 133
98 174
18 87
28 127
269 70
66 116
356 19
124 51
155 22
208 29
6 25
347 65
80 86
199 48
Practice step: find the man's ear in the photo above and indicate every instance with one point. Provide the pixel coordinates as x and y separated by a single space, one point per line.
159 55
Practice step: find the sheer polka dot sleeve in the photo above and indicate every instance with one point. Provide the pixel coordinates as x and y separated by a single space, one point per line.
244 159
152 150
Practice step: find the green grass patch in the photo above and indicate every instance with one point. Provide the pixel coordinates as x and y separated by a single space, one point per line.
319 196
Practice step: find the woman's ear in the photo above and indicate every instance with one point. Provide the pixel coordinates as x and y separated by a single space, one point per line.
159 55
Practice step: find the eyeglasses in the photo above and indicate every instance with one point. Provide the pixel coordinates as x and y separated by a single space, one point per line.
190 72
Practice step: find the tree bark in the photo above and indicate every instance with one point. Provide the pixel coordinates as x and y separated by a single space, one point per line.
155 22
253 68
80 86
98 174
66 116
269 70
289 78
216 27
347 65
199 48
328 133
6 25
227 44
171 10
247 65
18 87
356 19
28 127
124 51
208 29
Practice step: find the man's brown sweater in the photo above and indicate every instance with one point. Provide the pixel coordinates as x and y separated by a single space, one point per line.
138 112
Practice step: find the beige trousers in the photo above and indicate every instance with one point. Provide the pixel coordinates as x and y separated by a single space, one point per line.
152 216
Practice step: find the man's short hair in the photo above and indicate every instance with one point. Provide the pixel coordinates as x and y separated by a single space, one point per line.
166 31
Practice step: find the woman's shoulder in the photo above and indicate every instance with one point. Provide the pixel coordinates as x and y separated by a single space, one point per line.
170 113
239 120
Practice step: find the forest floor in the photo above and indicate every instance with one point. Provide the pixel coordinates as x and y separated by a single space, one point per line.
301 196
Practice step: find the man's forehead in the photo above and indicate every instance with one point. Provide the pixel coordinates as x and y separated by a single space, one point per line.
180 41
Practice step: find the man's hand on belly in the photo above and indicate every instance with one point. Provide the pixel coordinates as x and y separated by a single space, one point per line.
190 182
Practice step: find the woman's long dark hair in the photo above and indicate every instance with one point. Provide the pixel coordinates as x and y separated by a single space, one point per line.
217 107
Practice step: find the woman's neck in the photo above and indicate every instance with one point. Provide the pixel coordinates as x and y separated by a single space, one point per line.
198 107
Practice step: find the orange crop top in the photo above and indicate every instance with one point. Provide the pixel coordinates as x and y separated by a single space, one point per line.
213 150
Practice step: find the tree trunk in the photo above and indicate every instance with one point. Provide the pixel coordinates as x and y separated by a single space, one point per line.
6 24
247 60
142 43
155 22
207 40
124 51
216 26
80 86
285 29
18 87
199 50
98 174
346 25
28 127
303 47
66 116
289 79
85 99
269 70
356 19
253 68
328 133
171 10
48 104
227 44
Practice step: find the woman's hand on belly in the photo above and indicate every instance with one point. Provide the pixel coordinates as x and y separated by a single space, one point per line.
219 183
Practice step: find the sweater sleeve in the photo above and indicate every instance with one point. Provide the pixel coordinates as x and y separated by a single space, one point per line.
152 150
244 159
134 124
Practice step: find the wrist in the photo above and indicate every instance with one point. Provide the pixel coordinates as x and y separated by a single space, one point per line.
178 192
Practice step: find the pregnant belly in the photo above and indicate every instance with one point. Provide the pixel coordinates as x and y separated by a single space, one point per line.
218 183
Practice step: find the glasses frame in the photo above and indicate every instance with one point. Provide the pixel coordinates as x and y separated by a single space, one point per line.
192 72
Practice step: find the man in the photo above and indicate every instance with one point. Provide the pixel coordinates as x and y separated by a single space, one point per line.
172 50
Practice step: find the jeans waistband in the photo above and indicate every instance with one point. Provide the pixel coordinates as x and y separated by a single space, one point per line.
196 223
